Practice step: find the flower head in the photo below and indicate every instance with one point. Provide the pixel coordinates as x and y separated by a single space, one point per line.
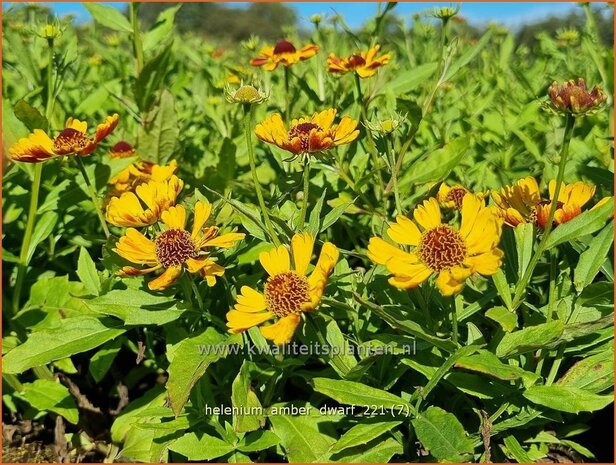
72 140
451 253
574 98
309 134
283 53
386 126
445 13
245 94
175 249
288 292
522 202
452 196
146 205
363 63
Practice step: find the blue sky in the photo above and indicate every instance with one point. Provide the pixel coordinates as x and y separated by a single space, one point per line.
355 13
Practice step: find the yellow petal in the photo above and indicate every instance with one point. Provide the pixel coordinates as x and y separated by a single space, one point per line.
301 247
471 206
166 279
428 215
487 263
404 231
380 252
250 301
73 123
224 241
35 148
276 260
174 217
240 321
447 285
283 330
319 276
136 248
203 209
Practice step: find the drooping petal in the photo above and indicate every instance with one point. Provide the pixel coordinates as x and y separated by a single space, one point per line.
317 281
487 263
35 148
283 330
447 285
166 279
224 241
106 127
380 252
241 321
136 248
250 300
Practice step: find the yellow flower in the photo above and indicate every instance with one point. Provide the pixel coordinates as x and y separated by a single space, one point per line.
309 134
175 249
287 293
128 209
72 140
283 53
522 202
454 254
363 63
451 196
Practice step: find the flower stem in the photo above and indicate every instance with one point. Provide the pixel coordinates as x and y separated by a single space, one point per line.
302 217
287 97
137 45
253 168
564 155
394 175
371 144
93 196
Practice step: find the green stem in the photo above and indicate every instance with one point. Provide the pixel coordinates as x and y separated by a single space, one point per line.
521 287
253 168
394 176
287 97
302 217
371 144
454 322
137 44
93 196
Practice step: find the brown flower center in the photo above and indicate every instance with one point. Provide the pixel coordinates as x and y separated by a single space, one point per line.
70 141
284 46
441 247
286 292
539 215
302 131
456 195
174 247
355 61
122 149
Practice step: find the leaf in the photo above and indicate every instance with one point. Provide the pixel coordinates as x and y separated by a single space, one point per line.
507 319
586 223
244 399
51 396
258 441
334 214
200 447
500 282
159 139
136 307
109 17
71 336
42 230
436 165
150 81
86 270
443 435
188 364
567 398
406 82
362 434
30 116
352 393
516 450
592 259
524 241
488 363
300 438
528 339
314 220
101 361
468 55
162 29
594 373
375 452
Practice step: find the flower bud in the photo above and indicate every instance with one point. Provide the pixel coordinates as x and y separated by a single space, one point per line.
245 94
574 98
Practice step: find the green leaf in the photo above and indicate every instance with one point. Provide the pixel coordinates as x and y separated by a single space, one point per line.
200 446
258 441
150 82
109 17
528 339
188 364
314 220
594 373
488 363
524 241
516 450
362 434
300 438
245 400
406 82
42 230
468 55
102 360
436 165
586 223
507 319
443 435
51 396
334 214
500 282
375 452
136 307
567 398
160 137
593 258
86 270
162 29
352 393
71 336
30 116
